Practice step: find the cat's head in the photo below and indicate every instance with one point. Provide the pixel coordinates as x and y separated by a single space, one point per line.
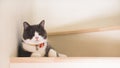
34 34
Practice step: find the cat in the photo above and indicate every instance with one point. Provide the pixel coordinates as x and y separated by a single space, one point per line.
34 42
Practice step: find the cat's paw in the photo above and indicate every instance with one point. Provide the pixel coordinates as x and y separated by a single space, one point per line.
35 55
62 55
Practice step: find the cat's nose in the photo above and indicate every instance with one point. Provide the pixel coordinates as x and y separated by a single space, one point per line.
36 38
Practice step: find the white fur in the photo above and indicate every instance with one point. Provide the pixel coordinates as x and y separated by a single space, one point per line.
62 55
36 54
52 53
32 48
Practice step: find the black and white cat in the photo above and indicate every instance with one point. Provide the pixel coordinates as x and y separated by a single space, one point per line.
35 42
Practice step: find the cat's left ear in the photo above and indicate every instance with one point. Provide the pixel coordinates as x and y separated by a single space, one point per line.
26 25
42 23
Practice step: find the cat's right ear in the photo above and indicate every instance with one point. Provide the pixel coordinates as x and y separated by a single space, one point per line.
26 25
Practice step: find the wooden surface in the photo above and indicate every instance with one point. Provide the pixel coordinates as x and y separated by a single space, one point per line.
54 60
41 59
71 62
85 30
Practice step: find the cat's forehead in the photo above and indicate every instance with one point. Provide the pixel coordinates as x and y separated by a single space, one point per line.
36 27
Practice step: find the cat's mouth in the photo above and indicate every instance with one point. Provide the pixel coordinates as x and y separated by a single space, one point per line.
35 42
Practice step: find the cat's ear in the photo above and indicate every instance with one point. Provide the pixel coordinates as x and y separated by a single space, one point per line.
42 23
26 25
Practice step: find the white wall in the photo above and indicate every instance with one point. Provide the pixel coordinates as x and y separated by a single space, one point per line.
59 14
12 15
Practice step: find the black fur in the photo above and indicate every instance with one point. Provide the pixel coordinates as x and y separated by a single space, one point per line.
22 52
30 30
47 50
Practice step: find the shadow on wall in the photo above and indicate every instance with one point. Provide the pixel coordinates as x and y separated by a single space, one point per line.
95 44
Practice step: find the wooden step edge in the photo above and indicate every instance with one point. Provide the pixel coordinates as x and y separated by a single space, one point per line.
84 31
